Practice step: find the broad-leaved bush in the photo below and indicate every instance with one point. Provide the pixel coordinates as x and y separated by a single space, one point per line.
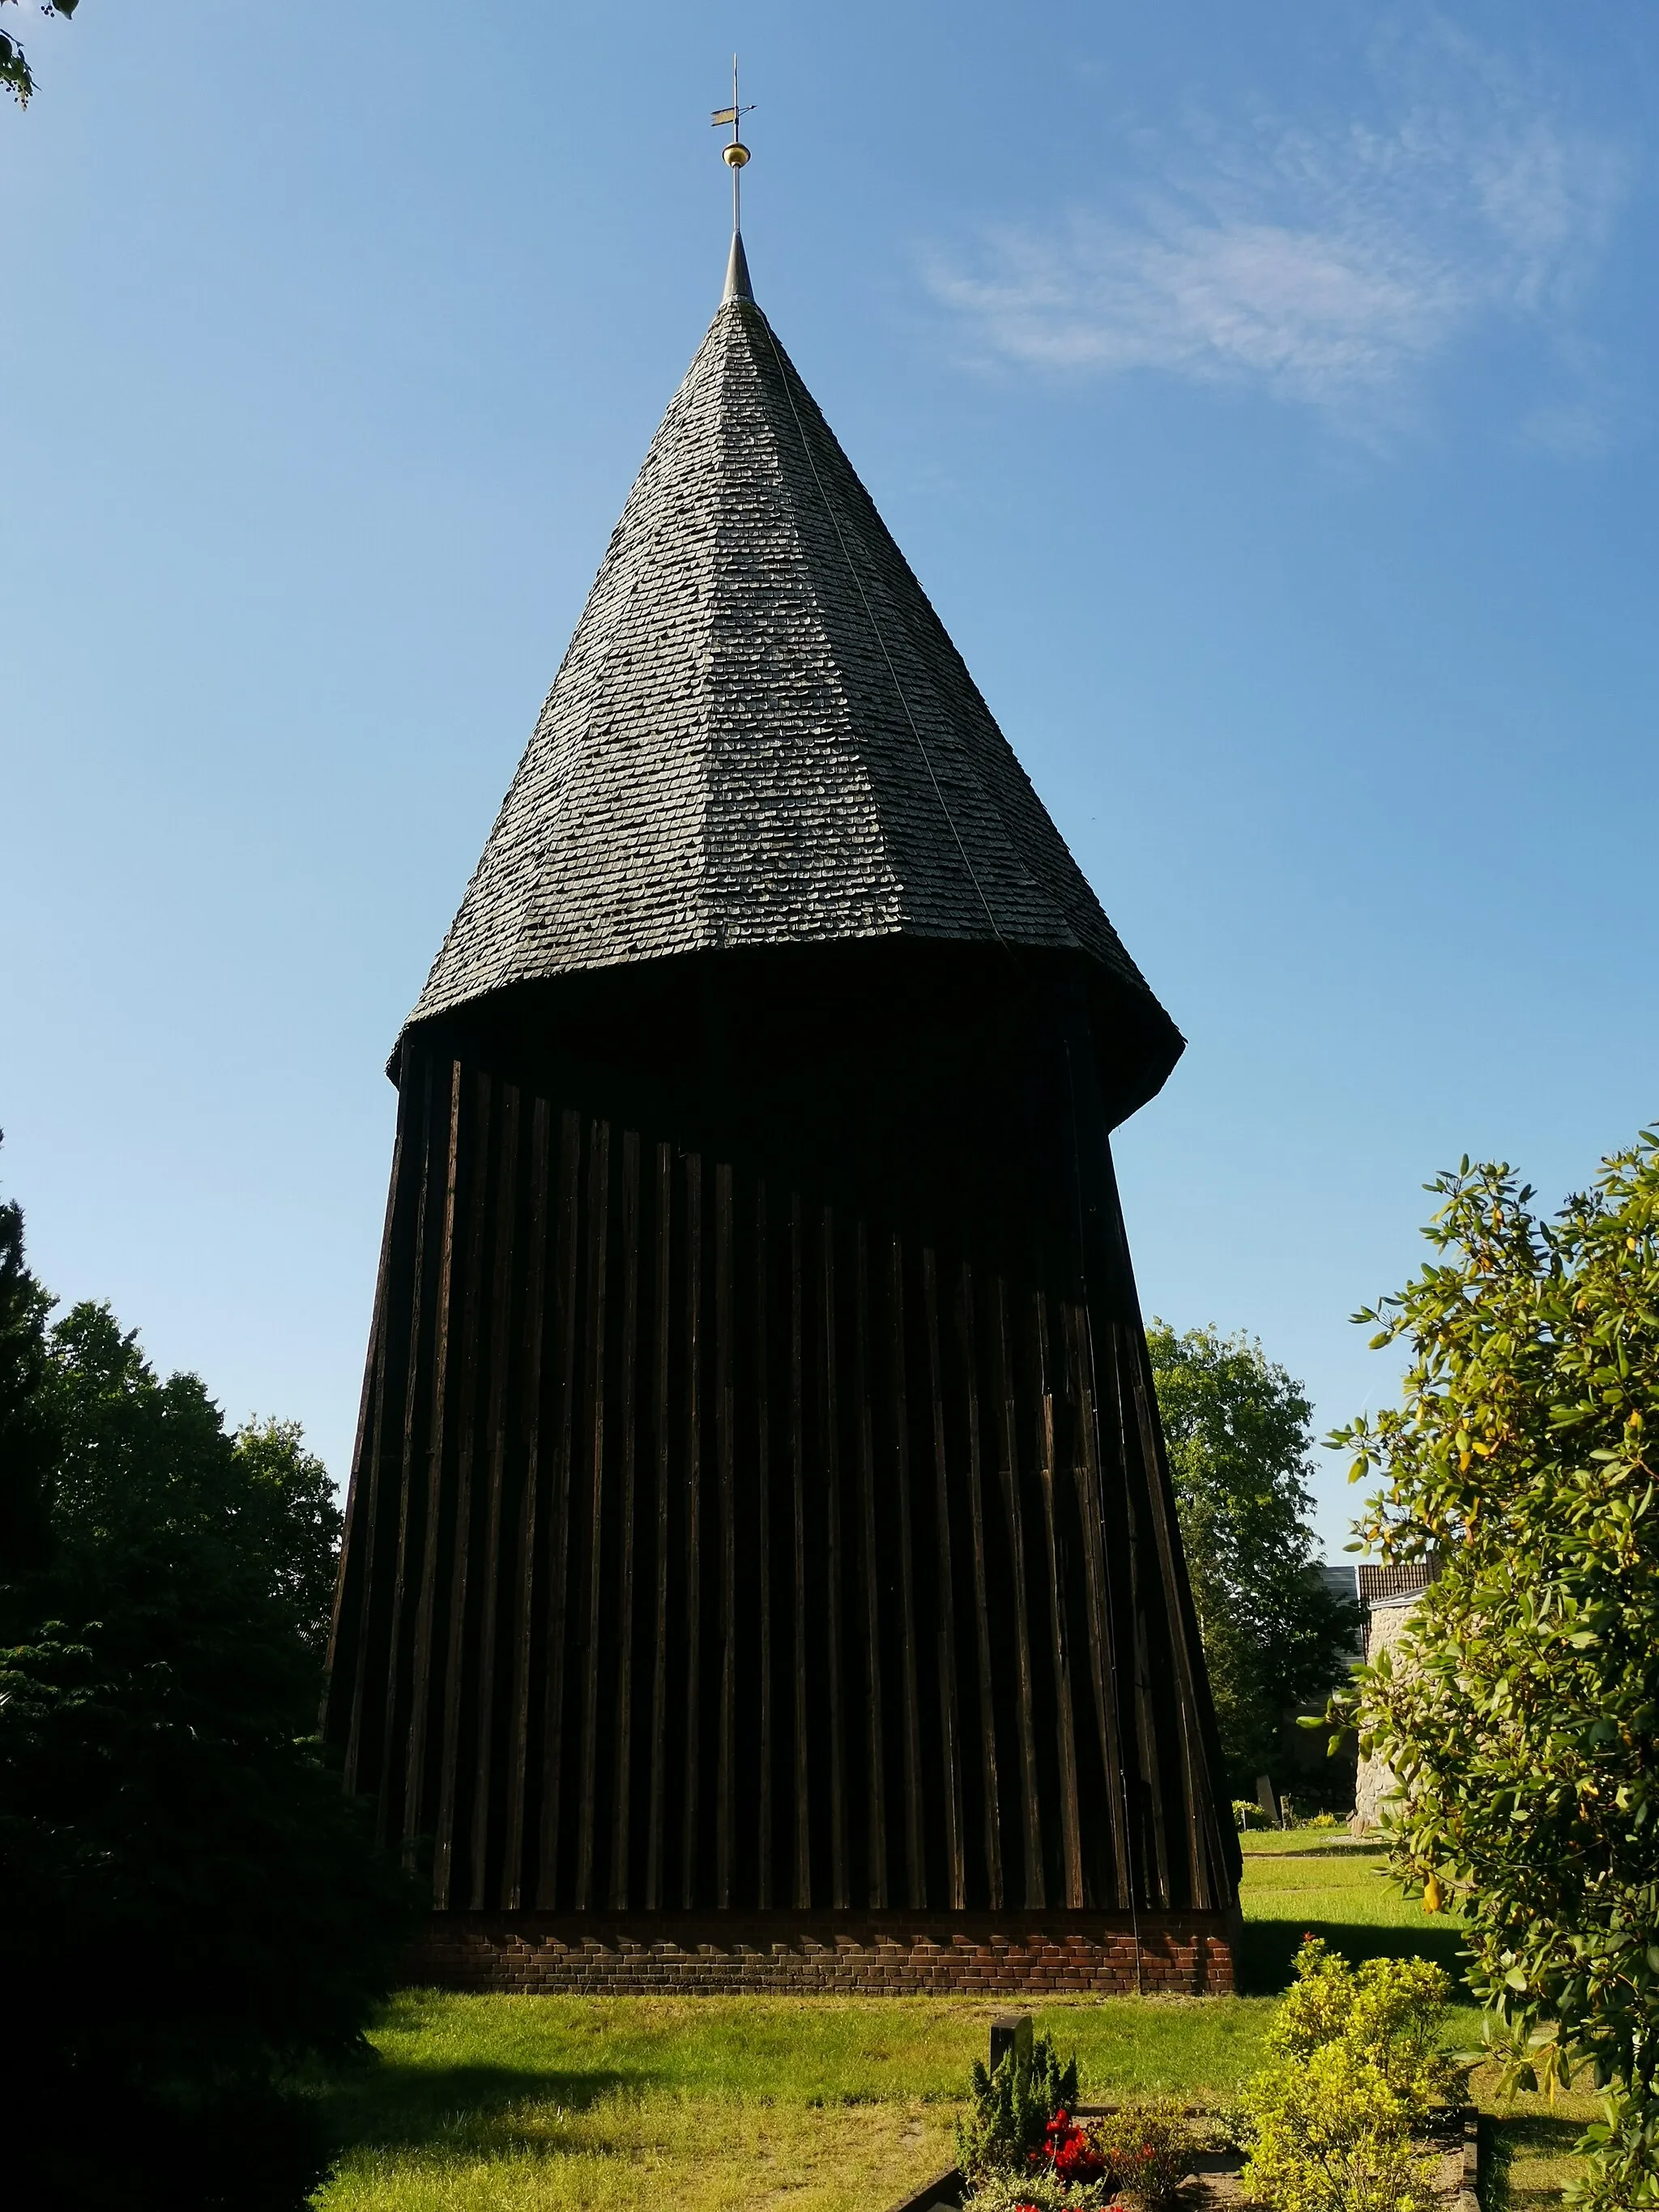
1354 2066
1145 2151
1518 1710
1328 2135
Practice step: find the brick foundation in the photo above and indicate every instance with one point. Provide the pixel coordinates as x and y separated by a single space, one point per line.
869 1954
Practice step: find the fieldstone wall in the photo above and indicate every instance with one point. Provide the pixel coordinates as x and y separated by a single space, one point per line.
644 1954
1375 1779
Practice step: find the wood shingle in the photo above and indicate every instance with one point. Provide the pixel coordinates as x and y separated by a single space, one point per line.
761 734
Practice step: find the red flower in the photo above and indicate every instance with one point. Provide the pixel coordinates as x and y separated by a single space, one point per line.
1071 2154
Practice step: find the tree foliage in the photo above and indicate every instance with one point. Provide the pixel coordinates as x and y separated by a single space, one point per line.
29 1434
1276 1640
141 1458
1519 1710
15 76
194 1917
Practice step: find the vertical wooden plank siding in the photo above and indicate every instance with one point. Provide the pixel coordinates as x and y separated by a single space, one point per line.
564 1326
1008 1471
535 1281
803 1893
692 1462
1071 1832
657 1816
956 1864
726 1811
415 1811
914 1862
387 1806
1154 1878
875 1748
1102 1643
627 1455
988 1718
599 1258
766 1747
834 1560
737 1531
495 1437
463 1535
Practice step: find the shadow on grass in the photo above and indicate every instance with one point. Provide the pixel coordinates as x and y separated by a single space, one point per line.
408 2106
1268 1953
1336 1847
1528 2153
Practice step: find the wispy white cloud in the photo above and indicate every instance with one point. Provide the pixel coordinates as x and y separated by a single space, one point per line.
1325 263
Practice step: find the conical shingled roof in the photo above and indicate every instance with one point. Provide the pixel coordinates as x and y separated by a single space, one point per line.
761 733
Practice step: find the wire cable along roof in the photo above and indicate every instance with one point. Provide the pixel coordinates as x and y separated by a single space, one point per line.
762 734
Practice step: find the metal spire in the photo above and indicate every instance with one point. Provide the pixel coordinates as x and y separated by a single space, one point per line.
735 156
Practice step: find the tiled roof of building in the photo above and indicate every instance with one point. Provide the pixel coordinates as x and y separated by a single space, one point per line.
761 733
1399 1584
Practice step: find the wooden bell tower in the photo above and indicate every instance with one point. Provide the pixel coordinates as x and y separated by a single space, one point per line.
761 1567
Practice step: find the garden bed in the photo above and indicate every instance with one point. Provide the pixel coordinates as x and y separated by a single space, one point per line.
1215 2185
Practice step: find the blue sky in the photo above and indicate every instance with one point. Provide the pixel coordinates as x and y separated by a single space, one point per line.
1263 395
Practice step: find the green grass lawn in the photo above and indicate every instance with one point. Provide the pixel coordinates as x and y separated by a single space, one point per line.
705 2102
827 2103
1294 1887
1532 2152
1299 1842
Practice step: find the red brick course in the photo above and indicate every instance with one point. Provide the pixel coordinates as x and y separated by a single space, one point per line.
860 1954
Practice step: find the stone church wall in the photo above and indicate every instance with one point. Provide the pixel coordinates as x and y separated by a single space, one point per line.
1375 1780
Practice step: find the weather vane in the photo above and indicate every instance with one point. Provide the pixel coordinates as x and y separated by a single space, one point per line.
737 153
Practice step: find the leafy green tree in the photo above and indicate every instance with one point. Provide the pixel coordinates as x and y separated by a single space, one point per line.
1276 1640
15 72
288 1512
141 1457
1519 1710
29 1434
194 1917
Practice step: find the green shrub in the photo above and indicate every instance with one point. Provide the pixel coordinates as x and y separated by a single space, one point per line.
1147 2152
1037 2191
1355 2063
1324 1820
1391 2012
1008 2111
1246 1813
1328 2135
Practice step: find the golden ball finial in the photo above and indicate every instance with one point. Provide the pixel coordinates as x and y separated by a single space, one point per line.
735 155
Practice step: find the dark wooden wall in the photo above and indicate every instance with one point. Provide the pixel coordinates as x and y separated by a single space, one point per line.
759 1500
